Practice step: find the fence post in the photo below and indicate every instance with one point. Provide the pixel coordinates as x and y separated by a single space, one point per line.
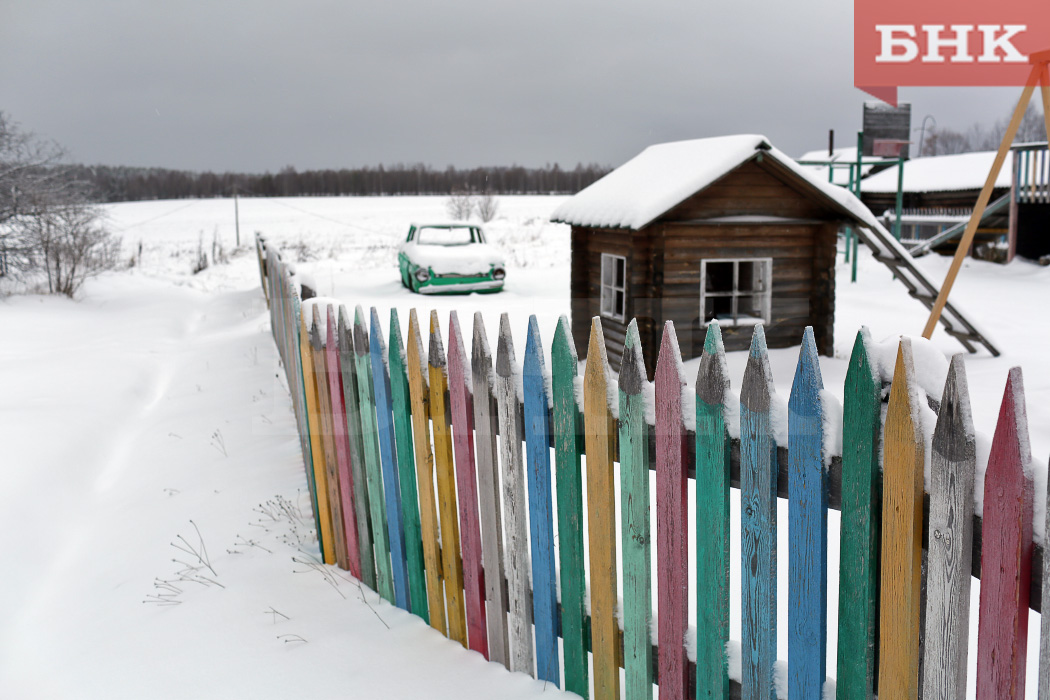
600 437
712 520
385 424
420 396
348 519
859 532
567 435
1006 552
486 416
903 448
758 523
952 465
406 466
672 517
510 431
324 407
466 480
808 528
313 418
634 521
351 402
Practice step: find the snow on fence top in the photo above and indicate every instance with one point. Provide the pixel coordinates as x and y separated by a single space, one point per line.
662 176
964 171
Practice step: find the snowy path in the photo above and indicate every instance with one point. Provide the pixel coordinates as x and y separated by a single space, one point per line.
124 417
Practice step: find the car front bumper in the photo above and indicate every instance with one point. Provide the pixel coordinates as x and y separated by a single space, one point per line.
436 286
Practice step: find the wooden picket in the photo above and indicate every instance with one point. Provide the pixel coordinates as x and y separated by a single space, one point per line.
342 447
388 458
758 524
713 451
903 450
634 516
859 529
396 441
600 438
419 393
516 535
808 528
351 401
370 445
406 465
953 463
1006 554
536 414
448 514
486 426
567 435
462 411
672 517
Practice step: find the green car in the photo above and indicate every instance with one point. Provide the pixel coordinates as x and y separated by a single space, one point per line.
450 259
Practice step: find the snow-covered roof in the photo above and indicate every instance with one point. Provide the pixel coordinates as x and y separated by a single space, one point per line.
841 156
963 171
664 175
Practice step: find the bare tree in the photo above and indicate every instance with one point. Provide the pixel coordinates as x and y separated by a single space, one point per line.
70 243
460 205
981 137
487 207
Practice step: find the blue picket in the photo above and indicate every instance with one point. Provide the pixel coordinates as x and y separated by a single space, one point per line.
541 517
808 528
388 460
758 525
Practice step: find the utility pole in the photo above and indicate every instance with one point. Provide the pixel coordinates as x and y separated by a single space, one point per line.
236 216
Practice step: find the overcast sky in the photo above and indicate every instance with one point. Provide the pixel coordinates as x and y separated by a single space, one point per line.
257 85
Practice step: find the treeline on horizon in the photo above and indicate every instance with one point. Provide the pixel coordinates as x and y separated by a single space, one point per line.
124 184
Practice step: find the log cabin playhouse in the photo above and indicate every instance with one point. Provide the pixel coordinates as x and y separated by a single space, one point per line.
726 228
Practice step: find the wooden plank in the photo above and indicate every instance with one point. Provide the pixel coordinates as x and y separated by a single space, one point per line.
441 420
903 448
517 544
634 516
859 538
567 433
952 464
808 528
1044 620
419 393
672 517
406 465
348 520
313 417
758 523
302 420
713 449
486 416
370 448
391 489
1002 631
600 439
351 399
324 403
462 411
541 516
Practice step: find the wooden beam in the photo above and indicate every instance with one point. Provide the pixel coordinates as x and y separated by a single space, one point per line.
982 201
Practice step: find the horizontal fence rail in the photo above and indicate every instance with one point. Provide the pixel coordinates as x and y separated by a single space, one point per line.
401 445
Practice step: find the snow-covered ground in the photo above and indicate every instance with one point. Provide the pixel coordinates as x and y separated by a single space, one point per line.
149 421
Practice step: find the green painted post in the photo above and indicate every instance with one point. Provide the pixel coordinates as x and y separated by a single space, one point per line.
712 520
900 197
635 529
859 543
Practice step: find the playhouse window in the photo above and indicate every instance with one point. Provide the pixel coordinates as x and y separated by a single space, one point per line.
736 292
614 287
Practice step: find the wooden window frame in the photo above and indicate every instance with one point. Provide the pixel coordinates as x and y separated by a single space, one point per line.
608 291
765 295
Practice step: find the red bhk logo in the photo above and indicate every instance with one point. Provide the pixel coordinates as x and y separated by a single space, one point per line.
945 42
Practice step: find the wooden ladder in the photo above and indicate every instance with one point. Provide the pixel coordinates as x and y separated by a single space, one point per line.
891 253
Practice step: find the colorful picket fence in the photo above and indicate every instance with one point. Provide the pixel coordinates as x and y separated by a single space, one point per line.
400 447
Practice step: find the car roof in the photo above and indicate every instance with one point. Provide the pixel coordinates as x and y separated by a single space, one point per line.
446 225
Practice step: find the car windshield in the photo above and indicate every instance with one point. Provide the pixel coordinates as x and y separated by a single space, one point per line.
459 235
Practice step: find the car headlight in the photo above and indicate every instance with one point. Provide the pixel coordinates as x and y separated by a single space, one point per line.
498 273
422 274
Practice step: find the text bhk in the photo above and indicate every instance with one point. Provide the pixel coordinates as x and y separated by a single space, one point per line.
956 43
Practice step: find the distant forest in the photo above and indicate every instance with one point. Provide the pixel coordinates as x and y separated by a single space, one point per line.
123 184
